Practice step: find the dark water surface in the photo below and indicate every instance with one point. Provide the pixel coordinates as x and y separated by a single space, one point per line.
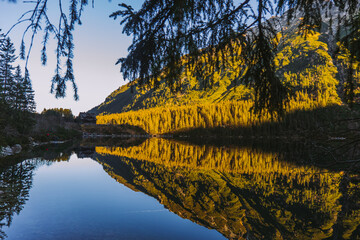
162 189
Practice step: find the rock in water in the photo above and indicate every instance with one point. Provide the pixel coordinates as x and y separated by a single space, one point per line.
6 151
16 148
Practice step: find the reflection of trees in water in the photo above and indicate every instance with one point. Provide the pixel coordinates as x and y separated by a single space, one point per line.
16 182
246 160
240 192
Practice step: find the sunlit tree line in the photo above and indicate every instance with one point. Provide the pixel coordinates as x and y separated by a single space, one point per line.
304 65
162 120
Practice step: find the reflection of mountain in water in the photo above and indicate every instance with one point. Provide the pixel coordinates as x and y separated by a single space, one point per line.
240 192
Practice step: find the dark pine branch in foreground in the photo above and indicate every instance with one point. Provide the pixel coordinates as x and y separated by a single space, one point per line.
167 34
37 20
198 36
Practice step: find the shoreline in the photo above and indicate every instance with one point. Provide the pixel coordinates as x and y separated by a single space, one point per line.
17 149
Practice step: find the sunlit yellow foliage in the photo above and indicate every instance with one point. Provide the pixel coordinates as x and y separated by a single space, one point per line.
233 190
304 65
162 120
236 160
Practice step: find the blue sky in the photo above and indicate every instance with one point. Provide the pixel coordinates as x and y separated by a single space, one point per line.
99 42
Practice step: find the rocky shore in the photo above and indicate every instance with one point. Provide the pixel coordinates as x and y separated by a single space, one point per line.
17 148
9 151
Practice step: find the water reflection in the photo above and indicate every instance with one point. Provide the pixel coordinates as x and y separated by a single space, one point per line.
248 192
240 192
15 183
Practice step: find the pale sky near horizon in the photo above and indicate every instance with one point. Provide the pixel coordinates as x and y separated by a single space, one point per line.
99 42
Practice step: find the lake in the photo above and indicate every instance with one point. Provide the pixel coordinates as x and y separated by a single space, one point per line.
165 189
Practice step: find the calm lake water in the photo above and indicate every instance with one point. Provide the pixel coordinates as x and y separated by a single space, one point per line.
163 189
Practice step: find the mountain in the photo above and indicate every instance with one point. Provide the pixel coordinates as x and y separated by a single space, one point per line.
307 65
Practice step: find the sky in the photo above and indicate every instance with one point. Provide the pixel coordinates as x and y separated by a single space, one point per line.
99 42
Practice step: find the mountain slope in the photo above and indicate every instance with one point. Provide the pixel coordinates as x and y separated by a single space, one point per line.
305 65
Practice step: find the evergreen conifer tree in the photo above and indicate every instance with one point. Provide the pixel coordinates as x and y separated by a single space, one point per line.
2 40
20 101
29 93
7 58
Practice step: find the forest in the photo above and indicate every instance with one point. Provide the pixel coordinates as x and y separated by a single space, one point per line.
18 117
306 66
17 103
